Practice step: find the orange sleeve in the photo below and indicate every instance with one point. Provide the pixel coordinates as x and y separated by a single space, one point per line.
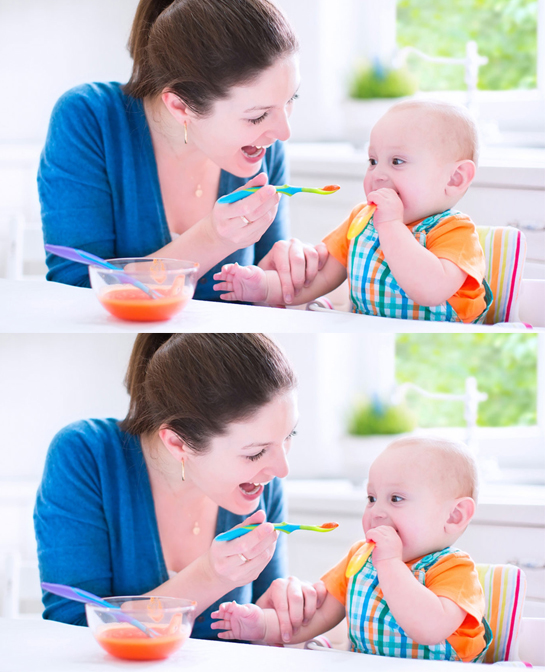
456 239
455 577
335 579
337 241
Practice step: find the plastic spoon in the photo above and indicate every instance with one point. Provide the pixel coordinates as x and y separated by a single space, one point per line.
359 558
361 220
282 527
284 189
83 257
80 595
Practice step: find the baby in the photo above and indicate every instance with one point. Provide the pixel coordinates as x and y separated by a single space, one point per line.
415 596
422 159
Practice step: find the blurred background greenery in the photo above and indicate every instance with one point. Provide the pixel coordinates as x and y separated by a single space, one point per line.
505 32
505 366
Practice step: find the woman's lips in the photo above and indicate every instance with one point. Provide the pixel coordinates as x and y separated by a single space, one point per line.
251 491
252 153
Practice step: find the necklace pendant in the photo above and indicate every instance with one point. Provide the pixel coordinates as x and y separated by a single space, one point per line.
198 191
196 529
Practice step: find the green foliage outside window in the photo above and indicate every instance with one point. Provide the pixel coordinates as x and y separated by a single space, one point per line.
505 366
505 32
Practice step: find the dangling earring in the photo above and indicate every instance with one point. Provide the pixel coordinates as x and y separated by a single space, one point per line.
185 132
182 471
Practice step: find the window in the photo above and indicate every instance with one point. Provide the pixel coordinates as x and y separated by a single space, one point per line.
509 368
505 366
505 32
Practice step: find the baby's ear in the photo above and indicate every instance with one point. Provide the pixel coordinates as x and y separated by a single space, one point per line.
461 177
460 515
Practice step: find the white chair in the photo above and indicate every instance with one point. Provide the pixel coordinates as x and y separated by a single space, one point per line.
21 586
25 249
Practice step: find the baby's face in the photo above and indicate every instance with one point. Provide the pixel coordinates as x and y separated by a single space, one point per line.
404 492
408 153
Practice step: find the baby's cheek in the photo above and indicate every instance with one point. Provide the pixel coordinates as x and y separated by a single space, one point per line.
366 521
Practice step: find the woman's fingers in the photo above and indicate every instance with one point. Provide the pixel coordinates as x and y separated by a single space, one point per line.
322 252
286 598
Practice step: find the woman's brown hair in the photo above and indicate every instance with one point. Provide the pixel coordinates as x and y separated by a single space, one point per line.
196 384
199 49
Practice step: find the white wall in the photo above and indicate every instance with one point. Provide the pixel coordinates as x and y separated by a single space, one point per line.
48 46
49 381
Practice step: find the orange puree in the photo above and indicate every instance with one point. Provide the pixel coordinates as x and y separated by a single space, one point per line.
126 641
130 303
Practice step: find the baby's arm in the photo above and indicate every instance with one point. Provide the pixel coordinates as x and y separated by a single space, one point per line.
249 622
427 279
424 616
250 283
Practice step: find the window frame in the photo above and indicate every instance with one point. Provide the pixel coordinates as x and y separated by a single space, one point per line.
518 114
501 442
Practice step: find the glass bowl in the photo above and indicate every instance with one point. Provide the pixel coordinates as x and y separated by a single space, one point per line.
171 617
172 281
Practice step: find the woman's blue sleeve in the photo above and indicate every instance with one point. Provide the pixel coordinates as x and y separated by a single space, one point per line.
70 526
277 566
280 228
74 190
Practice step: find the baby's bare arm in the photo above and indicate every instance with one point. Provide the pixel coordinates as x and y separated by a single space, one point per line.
427 279
423 615
254 624
250 283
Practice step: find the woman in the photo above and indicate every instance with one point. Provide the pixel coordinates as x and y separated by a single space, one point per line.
133 507
136 170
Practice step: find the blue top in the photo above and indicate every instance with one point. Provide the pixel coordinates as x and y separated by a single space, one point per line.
96 527
99 188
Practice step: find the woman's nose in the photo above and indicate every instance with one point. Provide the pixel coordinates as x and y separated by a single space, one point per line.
279 466
281 129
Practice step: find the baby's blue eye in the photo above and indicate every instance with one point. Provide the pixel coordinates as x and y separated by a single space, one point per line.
373 162
397 162
371 499
396 498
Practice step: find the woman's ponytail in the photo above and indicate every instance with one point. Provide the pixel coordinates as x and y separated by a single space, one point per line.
146 14
145 346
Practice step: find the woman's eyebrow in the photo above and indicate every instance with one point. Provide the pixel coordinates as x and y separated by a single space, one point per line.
257 108
256 445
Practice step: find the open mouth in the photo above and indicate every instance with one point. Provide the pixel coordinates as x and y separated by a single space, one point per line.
253 151
251 490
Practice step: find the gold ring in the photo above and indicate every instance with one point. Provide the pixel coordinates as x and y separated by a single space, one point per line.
243 558
245 220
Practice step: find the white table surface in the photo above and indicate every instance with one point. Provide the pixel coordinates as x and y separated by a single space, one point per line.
47 646
39 306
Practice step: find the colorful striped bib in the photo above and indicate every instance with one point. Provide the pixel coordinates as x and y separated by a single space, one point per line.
372 628
373 288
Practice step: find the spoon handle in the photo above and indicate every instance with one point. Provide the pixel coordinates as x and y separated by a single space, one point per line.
281 527
83 257
79 595
359 558
282 189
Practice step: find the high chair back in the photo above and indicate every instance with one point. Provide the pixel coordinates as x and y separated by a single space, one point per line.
504 587
505 249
